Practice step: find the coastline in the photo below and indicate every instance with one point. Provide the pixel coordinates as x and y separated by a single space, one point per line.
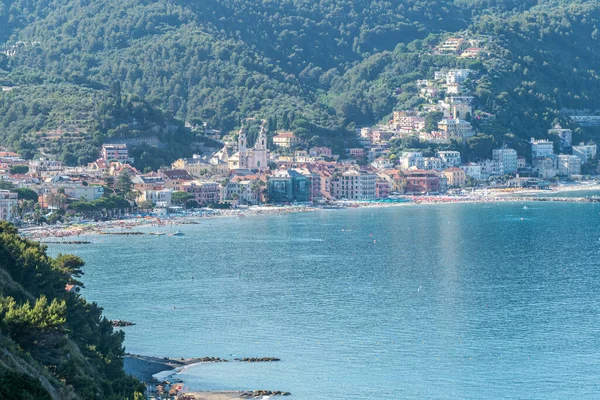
125 226
145 367
157 374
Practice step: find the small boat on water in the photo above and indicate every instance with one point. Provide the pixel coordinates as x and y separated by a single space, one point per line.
176 233
156 233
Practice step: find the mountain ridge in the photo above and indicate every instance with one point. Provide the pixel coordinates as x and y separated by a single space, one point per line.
317 69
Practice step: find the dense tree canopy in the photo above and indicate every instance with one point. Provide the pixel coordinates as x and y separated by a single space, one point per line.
108 68
65 342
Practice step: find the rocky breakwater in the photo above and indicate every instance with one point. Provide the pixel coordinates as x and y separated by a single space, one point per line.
262 393
206 359
69 242
118 323
257 359
122 233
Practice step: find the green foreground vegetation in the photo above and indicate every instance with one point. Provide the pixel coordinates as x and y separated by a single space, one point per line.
55 343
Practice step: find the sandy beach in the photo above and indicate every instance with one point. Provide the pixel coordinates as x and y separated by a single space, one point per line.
126 225
215 395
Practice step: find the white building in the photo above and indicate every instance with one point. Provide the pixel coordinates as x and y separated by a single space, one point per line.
382 163
253 158
244 191
44 167
491 168
545 168
411 159
116 152
508 157
358 185
8 203
457 75
87 193
541 148
450 158
433 163
349 185
565 135
568 165
585 152
160 198
73 190
367 182
453 88
365 133
472 170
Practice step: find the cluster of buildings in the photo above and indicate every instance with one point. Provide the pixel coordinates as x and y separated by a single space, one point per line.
242 174
236 174
447 95
461 47
568 162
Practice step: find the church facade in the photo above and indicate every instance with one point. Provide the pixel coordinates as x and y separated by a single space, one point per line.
255 158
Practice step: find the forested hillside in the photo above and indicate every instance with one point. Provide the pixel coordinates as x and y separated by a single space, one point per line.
318 68
55 345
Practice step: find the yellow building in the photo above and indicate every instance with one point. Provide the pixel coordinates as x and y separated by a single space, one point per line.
201 166
456 177
286 139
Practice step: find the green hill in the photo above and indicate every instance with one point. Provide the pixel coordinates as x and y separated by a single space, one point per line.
318 68
55 345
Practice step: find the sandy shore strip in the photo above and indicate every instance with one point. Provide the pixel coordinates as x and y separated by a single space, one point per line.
216 395
145 367
160 372
127 224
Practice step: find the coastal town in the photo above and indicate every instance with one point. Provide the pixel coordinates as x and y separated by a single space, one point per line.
246 199
243 175
238 175
281 168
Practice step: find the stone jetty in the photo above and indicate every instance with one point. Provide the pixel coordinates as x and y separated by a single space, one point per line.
122 233
117 323
262 393
257 359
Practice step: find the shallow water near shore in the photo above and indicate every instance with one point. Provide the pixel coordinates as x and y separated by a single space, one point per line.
468 301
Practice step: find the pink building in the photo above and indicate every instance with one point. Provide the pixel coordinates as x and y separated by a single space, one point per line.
115 152
382 189
357 152
420 181
204 192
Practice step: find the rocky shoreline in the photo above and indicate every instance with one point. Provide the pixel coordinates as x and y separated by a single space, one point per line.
118 323
261 393
145 367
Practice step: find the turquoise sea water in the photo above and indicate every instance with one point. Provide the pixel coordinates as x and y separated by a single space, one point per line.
458 301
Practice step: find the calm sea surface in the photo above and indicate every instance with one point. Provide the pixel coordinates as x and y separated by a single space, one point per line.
471 301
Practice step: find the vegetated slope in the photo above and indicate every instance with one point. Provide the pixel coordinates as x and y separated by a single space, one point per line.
319 68
71 121
542 61
53 344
